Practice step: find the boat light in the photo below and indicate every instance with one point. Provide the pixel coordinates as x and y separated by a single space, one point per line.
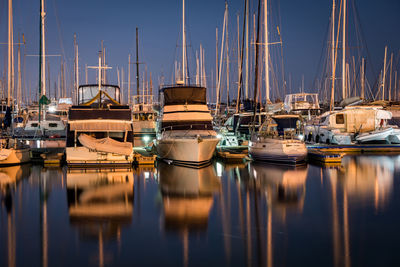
146 138
52 109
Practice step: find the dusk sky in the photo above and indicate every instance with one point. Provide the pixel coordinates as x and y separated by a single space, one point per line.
304 27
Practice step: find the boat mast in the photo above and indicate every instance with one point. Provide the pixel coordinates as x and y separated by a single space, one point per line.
137 62
227 56
129 79
183 44
256 62
43 14
76 67
333 56
10 45
384 75
266 55
247 50
344 51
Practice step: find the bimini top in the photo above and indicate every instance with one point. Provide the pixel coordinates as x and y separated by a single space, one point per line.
182 95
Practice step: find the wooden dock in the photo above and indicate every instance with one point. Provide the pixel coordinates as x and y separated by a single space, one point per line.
357 148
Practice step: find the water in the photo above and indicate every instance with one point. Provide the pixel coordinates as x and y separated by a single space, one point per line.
222 215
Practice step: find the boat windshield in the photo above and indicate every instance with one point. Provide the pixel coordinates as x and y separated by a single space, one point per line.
88 92
185 95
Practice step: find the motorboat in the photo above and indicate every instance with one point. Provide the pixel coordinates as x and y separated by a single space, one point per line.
99 129
280 140
185 134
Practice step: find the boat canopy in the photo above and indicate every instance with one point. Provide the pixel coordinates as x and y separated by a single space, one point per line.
285 122
185 95
100 126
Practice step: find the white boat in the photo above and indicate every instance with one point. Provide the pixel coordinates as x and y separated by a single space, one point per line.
350 125
186 135
14 153
279 140
99 136
99 128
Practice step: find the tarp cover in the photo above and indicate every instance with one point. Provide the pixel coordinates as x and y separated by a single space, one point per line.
100 126
105 145
184 95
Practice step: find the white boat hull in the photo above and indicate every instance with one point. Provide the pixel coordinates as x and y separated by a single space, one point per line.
275 150
15 156
83 157
191 151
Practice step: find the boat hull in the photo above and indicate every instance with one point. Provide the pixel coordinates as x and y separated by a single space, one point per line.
16 156
83 157
280 151
187 151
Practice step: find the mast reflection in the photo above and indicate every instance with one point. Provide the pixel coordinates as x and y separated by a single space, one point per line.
100 202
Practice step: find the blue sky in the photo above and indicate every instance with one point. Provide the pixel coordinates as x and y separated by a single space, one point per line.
303 28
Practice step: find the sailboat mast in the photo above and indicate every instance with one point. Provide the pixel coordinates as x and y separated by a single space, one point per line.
344 51
247 50
10 28
183 44
266 55
227 56
384 75
129 79
43 14
137 62
333 55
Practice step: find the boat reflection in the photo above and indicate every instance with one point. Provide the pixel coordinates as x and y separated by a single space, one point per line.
366 180
99 203
284 186
187 195
9 179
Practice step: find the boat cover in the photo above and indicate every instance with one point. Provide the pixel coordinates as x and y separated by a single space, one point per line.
105 145
100 125
4 153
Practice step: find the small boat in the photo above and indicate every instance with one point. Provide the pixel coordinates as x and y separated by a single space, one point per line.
13 152
279 140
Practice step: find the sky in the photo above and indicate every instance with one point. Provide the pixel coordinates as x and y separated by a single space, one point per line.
303 27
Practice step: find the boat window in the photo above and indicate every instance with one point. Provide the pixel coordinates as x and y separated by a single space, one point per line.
52 125
34 125
339 118
116 134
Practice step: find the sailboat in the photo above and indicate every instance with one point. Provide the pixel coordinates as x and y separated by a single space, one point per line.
279 140
41 125
12 151
186 135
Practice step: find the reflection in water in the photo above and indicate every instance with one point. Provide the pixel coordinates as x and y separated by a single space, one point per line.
9 179
239 215
366 180
187 199
99 203
283 188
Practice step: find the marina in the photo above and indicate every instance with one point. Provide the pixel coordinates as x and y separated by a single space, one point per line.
178 149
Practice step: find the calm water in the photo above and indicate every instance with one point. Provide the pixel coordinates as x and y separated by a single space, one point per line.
222 215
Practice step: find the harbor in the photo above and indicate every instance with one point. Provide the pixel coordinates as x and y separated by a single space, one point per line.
232 144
